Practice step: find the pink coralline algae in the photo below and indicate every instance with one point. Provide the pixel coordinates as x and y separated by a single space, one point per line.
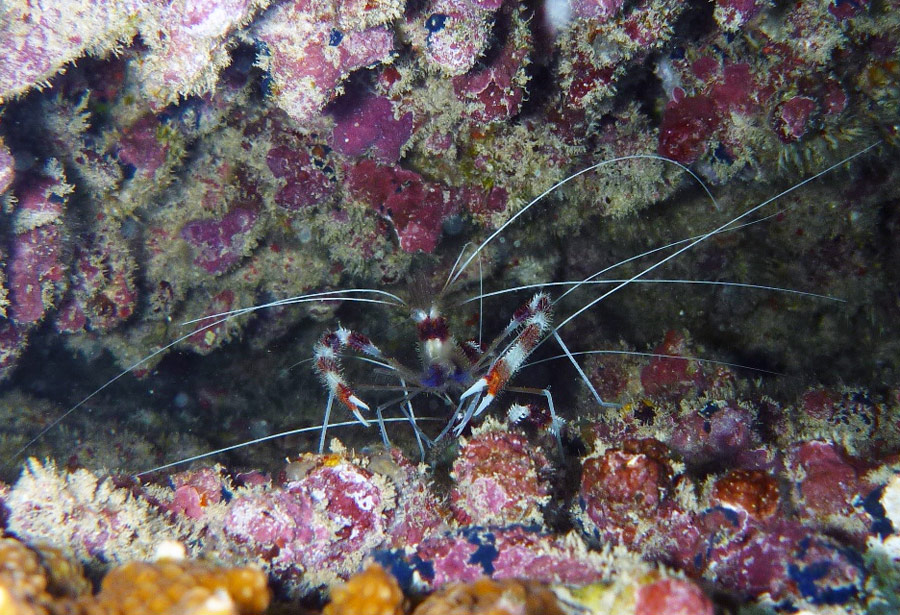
187 43
672 597
416 208
329 513
309 54
782 559
596 9
713 432
7 167
190 46
669 375
371 127
750 492
456 33
36 272
420 512
495 93
830 487
195 490
101 521
141 149
793 118
502 553
725 100
326 514
219 244
687 125
732 14
35 42
103 292
300 166
623 492
497 479
786 524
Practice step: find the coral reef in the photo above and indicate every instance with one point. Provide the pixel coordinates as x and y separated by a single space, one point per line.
198 139
496 478
802 524
169 162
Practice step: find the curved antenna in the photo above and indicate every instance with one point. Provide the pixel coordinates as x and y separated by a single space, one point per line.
109 382
455 263
274 436
706 236
578 283
313 297
652 355
661 248
218 319
567 180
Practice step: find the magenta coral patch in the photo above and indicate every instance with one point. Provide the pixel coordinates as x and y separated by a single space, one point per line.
219 244
416 208
596 9
672 597
140 148
668 375
496 480
793 117
371 126
34 271
305 183
687 125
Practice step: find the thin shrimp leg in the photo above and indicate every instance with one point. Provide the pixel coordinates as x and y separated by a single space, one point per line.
325 419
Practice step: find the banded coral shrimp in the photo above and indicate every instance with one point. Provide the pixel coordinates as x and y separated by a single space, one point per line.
502 269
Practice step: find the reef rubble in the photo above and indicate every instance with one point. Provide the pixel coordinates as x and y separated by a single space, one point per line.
687 491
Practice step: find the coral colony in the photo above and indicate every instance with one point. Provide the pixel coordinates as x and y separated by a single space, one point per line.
162 161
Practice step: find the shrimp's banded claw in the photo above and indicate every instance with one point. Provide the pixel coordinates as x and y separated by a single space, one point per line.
532 320
327 364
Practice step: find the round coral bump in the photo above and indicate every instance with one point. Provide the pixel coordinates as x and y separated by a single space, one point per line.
672 597
370 592
753 491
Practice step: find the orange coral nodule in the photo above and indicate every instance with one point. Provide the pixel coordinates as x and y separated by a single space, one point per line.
370 592
170 586
753 491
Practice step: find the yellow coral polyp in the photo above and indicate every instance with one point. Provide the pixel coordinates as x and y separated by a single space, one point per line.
332 460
